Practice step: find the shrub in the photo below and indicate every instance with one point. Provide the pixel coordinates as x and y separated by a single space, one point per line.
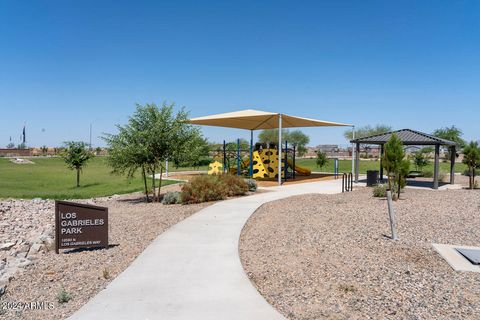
63 296
252 185
467 173
380 190
172 197
203 188
235 185
428 174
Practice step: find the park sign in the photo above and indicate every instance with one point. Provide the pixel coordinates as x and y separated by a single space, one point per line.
80 225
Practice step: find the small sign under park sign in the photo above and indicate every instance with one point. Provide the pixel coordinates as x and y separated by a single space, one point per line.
80 225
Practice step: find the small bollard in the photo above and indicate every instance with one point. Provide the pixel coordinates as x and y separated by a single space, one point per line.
391 215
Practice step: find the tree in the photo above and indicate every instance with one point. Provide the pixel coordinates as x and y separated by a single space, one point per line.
300 140
195 149
44 150
395 164
366 131
271 135
11 145
76 155
295 138
153 135
420 160
450 133
322 159
22 146
471 157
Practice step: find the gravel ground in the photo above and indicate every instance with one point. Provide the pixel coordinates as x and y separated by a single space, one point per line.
330 257
83 273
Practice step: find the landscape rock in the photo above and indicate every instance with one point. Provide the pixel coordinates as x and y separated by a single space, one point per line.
7 246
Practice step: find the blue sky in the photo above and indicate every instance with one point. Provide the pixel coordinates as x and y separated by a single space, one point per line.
66 64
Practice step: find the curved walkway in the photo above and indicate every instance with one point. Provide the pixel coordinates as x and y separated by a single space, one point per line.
193 270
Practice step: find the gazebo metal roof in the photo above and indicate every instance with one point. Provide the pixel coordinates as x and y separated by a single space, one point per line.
407 136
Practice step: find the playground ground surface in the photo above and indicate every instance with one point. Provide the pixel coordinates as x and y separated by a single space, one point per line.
330 256
49 177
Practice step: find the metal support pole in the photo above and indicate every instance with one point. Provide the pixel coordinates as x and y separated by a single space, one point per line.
294 156
453 156
353 149
381 162
251 153
335 168
166 168
279 146
238 157
224 157
436 167
357 162
286 160
391 215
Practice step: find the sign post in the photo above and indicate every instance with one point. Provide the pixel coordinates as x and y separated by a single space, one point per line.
80 226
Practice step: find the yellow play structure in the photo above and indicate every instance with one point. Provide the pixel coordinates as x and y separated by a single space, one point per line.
265 165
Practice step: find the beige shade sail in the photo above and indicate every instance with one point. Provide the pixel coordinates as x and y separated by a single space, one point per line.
258 120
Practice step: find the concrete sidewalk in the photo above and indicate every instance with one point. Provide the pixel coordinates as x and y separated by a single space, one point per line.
193 270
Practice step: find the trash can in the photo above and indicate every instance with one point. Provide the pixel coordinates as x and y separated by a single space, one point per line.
372 178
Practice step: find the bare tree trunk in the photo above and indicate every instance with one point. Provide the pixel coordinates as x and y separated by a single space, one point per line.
145 182
399 186
78 177
160 183
153 184
471 178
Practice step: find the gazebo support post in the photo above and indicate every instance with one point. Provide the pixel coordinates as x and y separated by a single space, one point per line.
238 157
381 162
357 161
353 150
436 166
453 155
224 157
279 146
251 153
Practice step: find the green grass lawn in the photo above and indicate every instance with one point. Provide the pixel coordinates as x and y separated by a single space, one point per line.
346 166
49 178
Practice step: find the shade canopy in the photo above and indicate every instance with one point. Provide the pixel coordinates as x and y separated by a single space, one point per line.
407 136
258 120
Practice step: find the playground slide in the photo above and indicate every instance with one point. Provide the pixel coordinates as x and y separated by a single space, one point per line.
298 169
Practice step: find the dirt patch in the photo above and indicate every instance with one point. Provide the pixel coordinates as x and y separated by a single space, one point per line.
134 224
330 256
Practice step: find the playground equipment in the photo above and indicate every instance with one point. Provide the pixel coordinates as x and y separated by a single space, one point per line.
215 168
264 163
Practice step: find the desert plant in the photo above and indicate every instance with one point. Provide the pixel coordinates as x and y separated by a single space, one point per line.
420 160
471 157
106 274
428 174
63 296
235 185
153 135
380 190
76 155
395 164
172 197
203 188
252 185
322 159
